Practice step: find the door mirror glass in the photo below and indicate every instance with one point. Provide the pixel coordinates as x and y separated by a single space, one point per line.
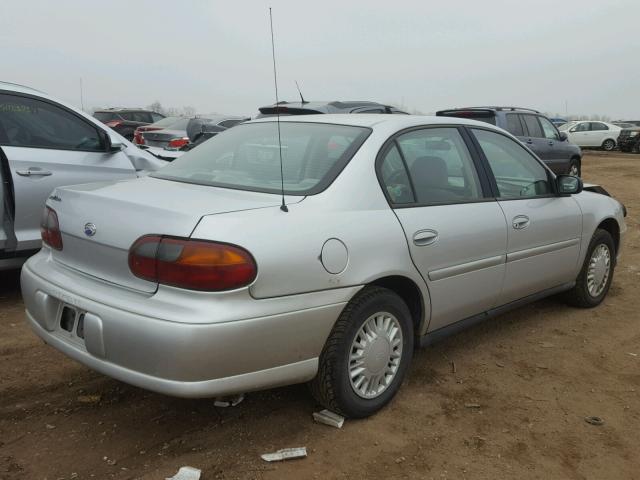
568 184
114 142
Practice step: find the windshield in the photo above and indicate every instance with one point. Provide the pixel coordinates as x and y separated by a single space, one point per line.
247 157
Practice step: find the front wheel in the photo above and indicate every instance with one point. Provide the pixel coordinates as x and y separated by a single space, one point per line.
608 145
574 168
366 356
596 274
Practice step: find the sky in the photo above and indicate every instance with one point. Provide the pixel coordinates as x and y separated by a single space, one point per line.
558 56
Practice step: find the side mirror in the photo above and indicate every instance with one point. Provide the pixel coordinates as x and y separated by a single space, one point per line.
563 136
114 143
568 184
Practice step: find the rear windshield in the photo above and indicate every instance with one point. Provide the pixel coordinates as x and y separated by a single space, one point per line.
247 157
170 121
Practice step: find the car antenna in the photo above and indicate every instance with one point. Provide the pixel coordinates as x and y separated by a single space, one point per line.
302 100
283 207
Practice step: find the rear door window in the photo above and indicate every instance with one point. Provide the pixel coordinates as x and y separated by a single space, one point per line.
440 166
533 126
28 122
514 127
598 126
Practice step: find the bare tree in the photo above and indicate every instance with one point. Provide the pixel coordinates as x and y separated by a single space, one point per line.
156 107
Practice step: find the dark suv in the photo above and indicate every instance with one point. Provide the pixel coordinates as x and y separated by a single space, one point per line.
126 120
629 139
312 108
533 129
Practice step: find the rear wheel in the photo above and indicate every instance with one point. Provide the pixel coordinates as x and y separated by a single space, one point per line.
608 145
366 355
636 148
596 274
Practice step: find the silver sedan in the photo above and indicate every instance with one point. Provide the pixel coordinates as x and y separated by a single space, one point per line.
319 249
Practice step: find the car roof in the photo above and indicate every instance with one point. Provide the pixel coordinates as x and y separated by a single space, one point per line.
329 107
371 119
16 87
123 109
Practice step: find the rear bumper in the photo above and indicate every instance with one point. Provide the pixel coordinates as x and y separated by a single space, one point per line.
188 356
628 142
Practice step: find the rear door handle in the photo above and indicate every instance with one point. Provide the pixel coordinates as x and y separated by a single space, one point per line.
425 237
33 172
529 142
551 142
520 222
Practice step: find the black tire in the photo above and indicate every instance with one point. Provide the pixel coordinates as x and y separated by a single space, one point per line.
579 295
332 385
609 145
636 148
574 165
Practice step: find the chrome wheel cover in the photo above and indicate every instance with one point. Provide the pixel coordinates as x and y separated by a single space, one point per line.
598 270
574 171
375 355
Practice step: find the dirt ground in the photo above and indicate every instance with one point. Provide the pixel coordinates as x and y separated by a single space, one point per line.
535 373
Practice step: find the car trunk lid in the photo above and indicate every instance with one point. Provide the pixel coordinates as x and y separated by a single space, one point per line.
100 221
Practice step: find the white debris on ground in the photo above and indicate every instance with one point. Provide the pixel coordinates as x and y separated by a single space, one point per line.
285 454
327 417
186 473
230 401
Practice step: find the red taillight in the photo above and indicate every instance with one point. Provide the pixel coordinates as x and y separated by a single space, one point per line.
192 264
50 229
138 139
178 142
113 123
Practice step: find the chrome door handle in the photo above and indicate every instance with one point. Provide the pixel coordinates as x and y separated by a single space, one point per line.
32 172
425 237
520 222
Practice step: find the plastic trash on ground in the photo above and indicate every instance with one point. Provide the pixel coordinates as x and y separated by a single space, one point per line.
285 454
186 473
329 418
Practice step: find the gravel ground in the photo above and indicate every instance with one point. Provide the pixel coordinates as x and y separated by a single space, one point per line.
535 374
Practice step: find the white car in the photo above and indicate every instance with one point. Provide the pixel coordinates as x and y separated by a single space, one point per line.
592 134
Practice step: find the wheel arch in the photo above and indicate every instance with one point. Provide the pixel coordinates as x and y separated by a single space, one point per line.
611 225
411 294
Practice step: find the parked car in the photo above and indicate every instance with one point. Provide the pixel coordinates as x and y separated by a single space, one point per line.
204 127
592 134
311 108
635 123
629 140
533 129
382 233
558 121
45 143
624 125
159 125
126 120
171 142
